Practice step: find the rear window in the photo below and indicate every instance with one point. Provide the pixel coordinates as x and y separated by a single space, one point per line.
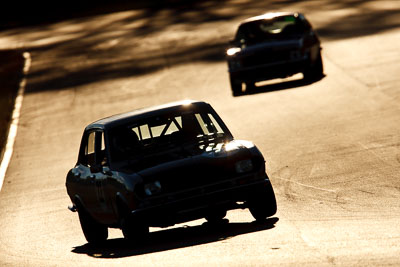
262 30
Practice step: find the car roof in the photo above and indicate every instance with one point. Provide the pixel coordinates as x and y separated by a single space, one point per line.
123 118
269 15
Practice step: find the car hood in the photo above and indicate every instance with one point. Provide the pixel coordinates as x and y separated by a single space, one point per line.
275 45
219 154
215 163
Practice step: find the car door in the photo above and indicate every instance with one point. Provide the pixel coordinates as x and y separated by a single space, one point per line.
100 173
94 177
87 178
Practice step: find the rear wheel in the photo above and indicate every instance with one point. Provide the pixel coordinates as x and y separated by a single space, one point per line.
263 203
94 232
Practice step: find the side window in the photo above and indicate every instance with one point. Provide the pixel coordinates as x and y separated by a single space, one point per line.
89 150
90 144
304 22
95 149
101 156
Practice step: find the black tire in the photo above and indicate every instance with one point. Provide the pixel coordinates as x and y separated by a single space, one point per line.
216 216
133 229
315 71
263 204
236 86
250 86
94 232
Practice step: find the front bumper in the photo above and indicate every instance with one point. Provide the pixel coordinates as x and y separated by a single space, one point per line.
196 203
278 69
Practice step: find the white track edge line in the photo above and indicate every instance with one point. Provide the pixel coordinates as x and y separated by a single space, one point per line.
12 132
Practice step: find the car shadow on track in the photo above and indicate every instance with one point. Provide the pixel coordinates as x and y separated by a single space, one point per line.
279 86
175 238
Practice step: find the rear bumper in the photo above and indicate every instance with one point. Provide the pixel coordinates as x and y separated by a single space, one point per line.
195 206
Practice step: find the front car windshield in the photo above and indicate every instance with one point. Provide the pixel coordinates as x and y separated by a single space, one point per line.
160 134
283 27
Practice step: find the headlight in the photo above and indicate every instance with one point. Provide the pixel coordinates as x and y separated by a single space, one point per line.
152 188
232 51
243 166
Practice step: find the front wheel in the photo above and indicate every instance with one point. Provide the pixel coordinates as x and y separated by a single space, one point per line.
236 86
263 203
314 71
133 229
94 232
250 86
216 216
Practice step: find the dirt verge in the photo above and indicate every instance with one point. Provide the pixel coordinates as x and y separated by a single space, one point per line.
11 70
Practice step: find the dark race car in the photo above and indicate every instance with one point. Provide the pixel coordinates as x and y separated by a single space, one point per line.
161 166
273 45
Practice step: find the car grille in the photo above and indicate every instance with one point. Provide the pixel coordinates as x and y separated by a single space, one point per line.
269 57
208 177
195 176
210 191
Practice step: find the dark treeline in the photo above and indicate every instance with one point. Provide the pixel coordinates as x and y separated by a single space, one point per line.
28 13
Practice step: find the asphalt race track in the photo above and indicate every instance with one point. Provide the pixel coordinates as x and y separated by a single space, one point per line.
332 147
